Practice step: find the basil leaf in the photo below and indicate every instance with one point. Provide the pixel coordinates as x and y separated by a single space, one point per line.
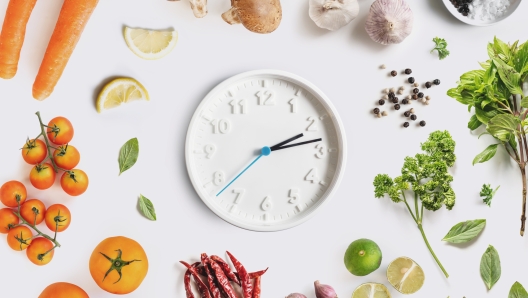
503 126
486 155
502 49
465 231
517 291
521 61
510 77
485 116
147 208
490 267
524 102
474 123
128 155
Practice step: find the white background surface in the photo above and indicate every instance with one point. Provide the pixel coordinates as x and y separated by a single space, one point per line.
344 64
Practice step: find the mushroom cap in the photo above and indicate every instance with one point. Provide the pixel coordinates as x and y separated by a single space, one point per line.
389 21
259 16
333 14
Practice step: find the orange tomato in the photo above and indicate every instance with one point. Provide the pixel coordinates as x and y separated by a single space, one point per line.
39 251
63 290
19 237
74 182
10 191
66 157
26 211
60 131
34 151
7 219
114 255
58 214
42 176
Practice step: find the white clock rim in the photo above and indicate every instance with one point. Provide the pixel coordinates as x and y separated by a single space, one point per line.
341 138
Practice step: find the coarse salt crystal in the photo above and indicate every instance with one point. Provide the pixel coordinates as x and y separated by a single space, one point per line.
488 10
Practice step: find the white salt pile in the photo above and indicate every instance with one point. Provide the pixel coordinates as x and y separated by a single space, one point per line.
488 10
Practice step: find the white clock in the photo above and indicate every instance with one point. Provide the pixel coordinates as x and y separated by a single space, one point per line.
234 166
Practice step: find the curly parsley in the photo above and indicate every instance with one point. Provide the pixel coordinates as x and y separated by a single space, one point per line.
441 47
487 193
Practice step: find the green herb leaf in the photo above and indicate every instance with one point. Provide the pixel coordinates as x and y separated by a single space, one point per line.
147 208
128 155
487 193
465 231
510 77
503 126
441 47
521 59
517 291
524 102
490 267
474 123
486 155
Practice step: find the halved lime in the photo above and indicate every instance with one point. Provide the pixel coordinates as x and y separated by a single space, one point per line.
405 275
371 290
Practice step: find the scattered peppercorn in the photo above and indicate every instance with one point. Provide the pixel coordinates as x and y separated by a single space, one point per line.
405 124
408 71
384 113
391 95
424 100
428 85
376 111
400 91
415 96
416 84
396 107
413 117
416 90
381 102
383 66
392 89
420 95
395 100
422 123
405 101
410 80
407 114
394 73
411 110
428 97
436 82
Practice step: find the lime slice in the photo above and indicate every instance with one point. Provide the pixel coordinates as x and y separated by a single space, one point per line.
371 290
405 275
150 44
118 91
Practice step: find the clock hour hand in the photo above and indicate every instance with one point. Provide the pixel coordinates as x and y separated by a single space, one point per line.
282 145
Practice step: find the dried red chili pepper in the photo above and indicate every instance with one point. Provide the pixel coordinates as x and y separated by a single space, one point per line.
210 277
253 275
223 280
204 291
201 271
187 283
227 270
256 290
247 287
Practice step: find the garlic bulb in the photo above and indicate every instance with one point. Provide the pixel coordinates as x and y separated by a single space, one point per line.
295 295
324 291
333 14
389 21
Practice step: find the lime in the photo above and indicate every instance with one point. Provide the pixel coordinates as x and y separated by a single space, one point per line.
405 275
371 290
362 257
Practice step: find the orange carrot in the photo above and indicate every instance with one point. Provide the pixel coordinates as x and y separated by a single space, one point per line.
12 36
73 17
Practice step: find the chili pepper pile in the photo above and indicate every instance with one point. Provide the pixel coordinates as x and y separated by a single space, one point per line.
215 279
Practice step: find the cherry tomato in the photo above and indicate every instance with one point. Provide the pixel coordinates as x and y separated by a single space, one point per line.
10 191
34 151
60 131
40 251
7 220
74 182
42 176
19 237
66 157
63 290
58 214
27 213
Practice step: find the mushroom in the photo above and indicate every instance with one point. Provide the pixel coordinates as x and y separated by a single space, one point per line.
259 16
389 21
333 14
199 7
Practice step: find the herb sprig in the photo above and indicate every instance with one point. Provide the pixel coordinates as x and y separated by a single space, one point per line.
441 47
487 193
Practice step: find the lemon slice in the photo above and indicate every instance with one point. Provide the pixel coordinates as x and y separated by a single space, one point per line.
118 91
405 275
150 44
371 290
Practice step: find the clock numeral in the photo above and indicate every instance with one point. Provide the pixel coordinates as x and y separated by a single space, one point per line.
294 105
266 97
209 150
218 178
312 126
239 106
222 126
321 152
295 195
312 176
266 204
239 194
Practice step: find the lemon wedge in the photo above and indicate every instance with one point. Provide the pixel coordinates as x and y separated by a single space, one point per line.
405 275
371 290
118 91
150 44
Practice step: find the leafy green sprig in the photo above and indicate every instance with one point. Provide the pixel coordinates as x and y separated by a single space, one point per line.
426 176
487 193
441 47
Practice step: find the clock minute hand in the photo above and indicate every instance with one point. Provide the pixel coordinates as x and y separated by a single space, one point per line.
282 145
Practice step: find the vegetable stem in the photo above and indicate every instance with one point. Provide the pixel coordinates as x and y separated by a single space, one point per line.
48 146
523 215
431 250
408 207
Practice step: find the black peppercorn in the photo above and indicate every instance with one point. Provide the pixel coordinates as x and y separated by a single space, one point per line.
376 111
408 71
414 96
413 117
420 95
396 106
428 85
405 101
391 95
394 73
405 124
436 82
395 100
410 80
416 90
407 114
422 123
381 102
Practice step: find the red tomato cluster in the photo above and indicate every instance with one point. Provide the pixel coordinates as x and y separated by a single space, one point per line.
59 132
16 223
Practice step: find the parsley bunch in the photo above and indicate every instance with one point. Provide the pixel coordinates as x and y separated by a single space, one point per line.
426 176
441 47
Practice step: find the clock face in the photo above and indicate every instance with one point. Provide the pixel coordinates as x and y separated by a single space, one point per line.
228 131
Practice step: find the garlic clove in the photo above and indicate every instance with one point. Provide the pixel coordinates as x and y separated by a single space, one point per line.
324 291
295 295
333 14
389 21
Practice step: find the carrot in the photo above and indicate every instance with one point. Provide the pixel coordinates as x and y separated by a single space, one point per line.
73 17
12 36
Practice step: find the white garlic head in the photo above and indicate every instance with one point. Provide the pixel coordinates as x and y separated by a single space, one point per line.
333 14
389 21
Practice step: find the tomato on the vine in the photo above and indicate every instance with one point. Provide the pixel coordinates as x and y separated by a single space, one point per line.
19 237
27 213
34 151
10 191
63 290
58 214
74 182
40 251
42 176
60 131
8 219
66 157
